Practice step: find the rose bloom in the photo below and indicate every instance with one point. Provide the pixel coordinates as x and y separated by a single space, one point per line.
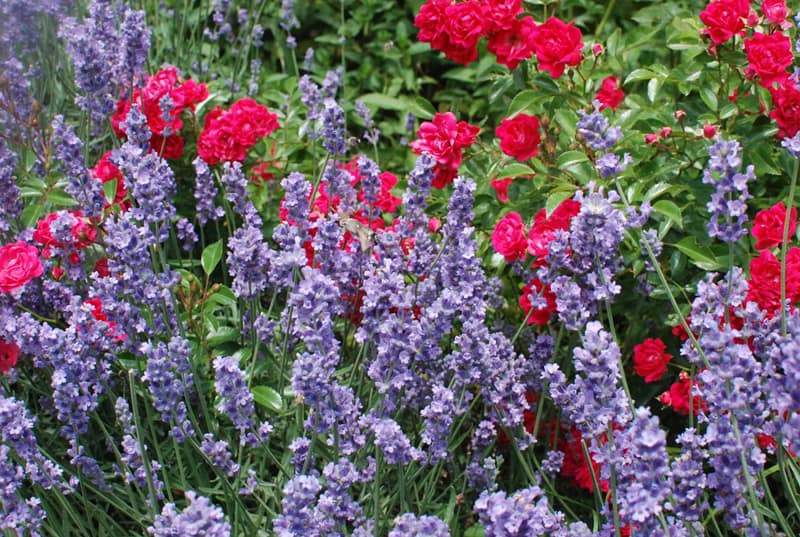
443 138
465 23
9 352
649 359
768 226
724 19
105 171
786 108
514 44
500 14
765 278
774 11
501 188
541 315
543 226
610 94
769 56
519 136
678 396
557 45
431 21
509 237
19 264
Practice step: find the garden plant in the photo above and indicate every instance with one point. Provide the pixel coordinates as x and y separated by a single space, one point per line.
399 268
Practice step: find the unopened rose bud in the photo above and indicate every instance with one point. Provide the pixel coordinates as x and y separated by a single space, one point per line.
680 115
651 138
709 131
665 132
597 49
434 224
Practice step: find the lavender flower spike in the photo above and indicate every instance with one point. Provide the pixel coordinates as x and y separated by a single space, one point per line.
199 519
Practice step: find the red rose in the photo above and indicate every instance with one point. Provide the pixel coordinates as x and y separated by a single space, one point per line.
19 264
501 187
105 171
774 11
649 359
768 226
678 396
543 226
514 44
443 138
610 94
189 94
509 237
9 352
500 14
171 148
519 136
765 277
541 315
431 21
251 121
557 45
786 109
769 56
724 19
465 23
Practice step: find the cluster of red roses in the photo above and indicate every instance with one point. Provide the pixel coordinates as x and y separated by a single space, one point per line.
769 55
443 138
228 134
514 242
161 91
456 28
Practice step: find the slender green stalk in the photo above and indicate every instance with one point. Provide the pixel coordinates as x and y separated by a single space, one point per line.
785 243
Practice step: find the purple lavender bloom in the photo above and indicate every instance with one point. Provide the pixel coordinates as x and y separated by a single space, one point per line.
688 479
595 130
524 513
237 193
594 399
84 188
792 145
186 234
136 471
408 525
248 262
16 101
728 205
332 82
198 519
371 133
298 514
610 165
333 131
151 182
288 18
219 455
394 445
134 45
308 60
168 375
311 97
439 415
10 201
236 401
205 193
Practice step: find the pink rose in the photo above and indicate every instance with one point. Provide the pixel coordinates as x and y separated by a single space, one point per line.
509 237
649 359
769 56
774 11
19 264
610 94
519 136
557 45
9 352
768 226
724 19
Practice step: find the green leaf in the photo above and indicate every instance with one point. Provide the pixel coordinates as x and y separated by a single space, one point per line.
569 159
699 256
421 108
59 198
670 210
515 169
379 100
211 257
555 199
31 214
709 97
522 101
110 190
268 398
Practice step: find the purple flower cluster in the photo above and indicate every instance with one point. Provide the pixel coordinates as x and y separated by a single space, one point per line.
198 519
594 400
235 401
219 455
409 525
526 512
10 201
333 128
86 190
728 205
168 375
132 453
